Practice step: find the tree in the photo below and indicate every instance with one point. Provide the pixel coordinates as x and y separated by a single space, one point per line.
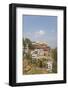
29 42
54 56
24 43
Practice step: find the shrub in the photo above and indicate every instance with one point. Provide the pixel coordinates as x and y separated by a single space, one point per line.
54 67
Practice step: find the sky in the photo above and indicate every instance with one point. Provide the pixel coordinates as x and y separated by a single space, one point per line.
41 28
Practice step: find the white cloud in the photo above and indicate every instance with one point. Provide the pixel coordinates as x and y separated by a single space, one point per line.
35 35
40 32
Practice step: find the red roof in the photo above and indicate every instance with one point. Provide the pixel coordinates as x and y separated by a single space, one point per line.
46 48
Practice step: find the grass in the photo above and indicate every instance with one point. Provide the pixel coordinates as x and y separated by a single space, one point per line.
35 70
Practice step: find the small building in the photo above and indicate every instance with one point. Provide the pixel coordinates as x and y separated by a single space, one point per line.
41 51
49 65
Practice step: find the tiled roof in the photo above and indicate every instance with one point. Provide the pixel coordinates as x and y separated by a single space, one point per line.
46 48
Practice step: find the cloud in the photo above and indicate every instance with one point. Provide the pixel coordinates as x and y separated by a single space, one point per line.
37 35
40 32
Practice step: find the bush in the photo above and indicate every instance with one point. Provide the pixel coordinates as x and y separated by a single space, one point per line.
54 67
40 64
28 56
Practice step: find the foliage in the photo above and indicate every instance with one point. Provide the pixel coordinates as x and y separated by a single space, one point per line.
28 42
24 43
40 64
54 56
28 56
54 67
